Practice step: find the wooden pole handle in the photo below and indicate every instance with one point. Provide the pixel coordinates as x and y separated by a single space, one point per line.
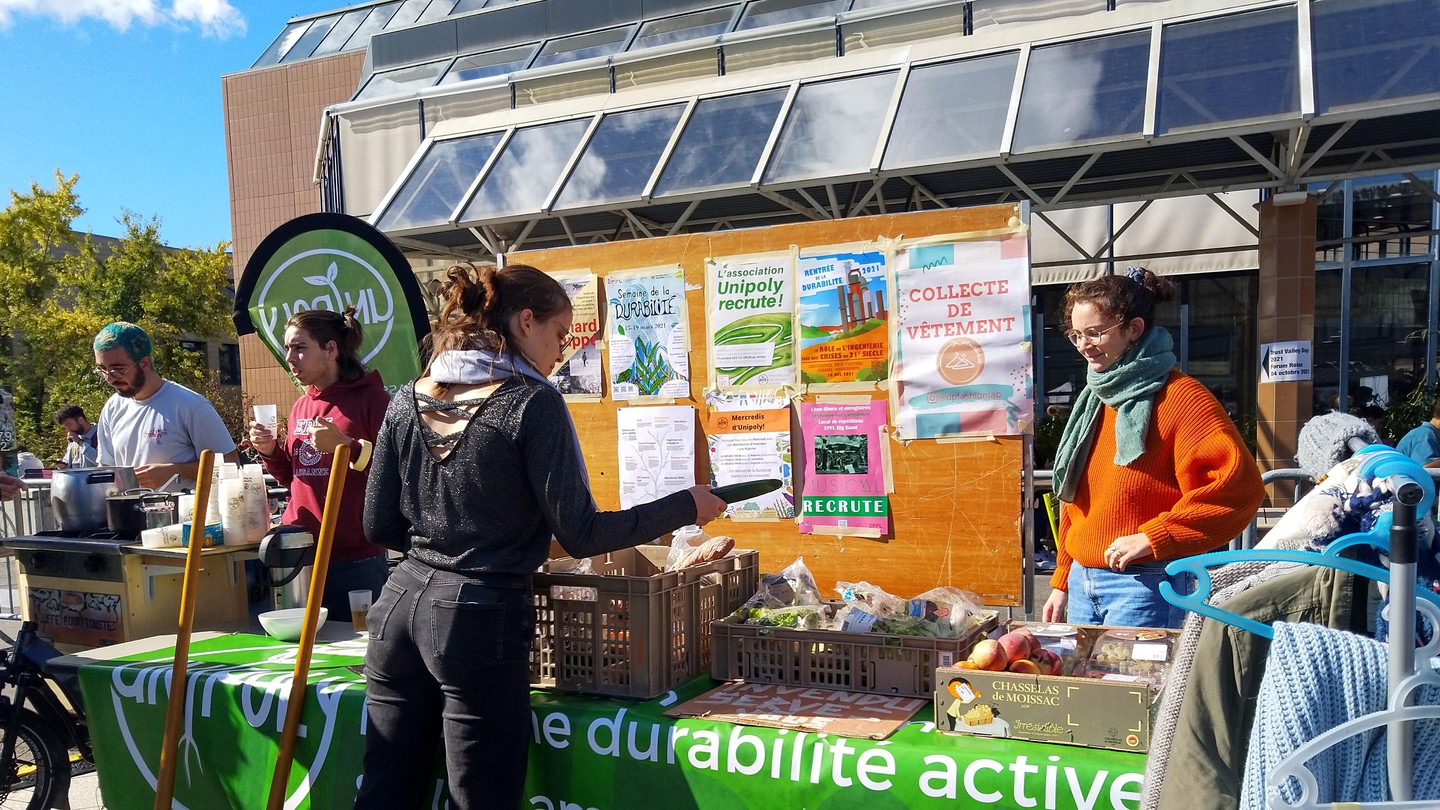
179 670
280 779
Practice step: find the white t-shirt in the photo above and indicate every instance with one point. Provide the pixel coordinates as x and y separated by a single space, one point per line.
172 426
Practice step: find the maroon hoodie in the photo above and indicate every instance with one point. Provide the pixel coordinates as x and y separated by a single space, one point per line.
357 408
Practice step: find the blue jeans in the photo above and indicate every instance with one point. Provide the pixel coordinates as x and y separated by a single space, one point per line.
1129 598
449 661
364 573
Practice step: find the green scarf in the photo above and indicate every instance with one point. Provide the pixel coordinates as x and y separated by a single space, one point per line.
1129 387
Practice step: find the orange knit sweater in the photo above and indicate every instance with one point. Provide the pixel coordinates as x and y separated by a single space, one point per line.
1195 487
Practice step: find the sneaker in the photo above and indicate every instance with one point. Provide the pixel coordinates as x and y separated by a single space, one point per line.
1044 560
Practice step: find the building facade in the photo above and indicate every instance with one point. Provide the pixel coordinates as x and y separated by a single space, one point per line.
1277 156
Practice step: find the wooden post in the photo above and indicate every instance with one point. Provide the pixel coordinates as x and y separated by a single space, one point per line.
179 670
339 465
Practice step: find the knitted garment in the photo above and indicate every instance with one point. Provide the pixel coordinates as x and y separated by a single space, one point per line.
1129 388
1316 679
1226 582
1338 505
1194 489
1323 441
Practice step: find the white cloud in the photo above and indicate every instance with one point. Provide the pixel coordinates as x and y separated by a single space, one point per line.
213 17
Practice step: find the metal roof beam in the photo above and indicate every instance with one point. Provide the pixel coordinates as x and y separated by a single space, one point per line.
1075 178
1325 148
1259 158
780 199
1020 184
684 217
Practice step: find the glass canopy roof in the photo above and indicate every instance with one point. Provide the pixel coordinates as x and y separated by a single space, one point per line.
1221 79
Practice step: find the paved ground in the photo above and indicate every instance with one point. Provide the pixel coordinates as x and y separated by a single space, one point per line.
85 792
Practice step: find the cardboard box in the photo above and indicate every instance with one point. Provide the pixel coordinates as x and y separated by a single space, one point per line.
1048 708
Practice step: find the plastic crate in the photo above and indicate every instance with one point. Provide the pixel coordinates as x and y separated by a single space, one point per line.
646 630
877 663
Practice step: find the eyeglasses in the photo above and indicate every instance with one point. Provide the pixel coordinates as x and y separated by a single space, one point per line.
112 372
1091 335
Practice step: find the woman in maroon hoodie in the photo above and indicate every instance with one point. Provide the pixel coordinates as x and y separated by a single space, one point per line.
342 404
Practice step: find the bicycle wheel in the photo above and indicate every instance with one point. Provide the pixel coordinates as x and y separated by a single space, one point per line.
38 773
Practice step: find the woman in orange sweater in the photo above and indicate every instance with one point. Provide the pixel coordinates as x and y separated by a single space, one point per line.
1149 469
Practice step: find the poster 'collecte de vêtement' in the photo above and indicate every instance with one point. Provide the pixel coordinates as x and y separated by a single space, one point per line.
749 437
844 311
750 314
962 329
647 334
580 376
657 452
845 488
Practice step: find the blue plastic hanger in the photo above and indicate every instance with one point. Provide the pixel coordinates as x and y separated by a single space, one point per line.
1197 565
1381 462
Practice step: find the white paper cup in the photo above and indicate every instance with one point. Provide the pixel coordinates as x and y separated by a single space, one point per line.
265 415
161 537
359 609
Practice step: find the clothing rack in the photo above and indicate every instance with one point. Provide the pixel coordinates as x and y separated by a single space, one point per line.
1408 670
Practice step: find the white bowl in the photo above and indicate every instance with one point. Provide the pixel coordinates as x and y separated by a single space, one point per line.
287 624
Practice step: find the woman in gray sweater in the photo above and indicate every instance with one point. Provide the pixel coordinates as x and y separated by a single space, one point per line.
476 467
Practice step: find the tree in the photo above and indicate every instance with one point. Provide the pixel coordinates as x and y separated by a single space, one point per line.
58 288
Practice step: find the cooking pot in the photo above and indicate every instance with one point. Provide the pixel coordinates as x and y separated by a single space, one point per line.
136 510
77 496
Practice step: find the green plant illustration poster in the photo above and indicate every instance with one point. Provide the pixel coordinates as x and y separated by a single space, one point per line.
647 334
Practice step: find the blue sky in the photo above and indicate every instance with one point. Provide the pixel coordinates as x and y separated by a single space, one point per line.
126 94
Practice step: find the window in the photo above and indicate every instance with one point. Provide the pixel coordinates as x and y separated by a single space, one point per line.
1083 91
832 129
229 364
722 142
621 156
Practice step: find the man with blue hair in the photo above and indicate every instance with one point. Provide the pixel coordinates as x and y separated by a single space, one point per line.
151 424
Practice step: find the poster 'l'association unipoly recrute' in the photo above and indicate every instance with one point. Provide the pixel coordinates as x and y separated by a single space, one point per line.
843 315
845 477
750 309
646 332
963 333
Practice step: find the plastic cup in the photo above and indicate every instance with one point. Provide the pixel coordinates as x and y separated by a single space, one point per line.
265 415
359 609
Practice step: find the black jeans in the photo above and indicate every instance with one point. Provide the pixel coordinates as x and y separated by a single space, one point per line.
448 660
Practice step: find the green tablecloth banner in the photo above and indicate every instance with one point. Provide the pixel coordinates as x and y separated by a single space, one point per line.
586 753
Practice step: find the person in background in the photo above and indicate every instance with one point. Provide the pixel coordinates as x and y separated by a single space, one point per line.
83 447
1375 415
342 404
1422 443
156 426
1149 468
27 464
477 466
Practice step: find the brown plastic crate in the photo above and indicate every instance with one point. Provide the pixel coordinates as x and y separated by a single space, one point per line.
877 663
647 630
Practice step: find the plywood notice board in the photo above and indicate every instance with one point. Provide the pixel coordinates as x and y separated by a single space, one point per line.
956 509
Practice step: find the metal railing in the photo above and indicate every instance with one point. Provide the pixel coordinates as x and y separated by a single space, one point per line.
27 513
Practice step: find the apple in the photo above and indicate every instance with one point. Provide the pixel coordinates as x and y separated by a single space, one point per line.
989 655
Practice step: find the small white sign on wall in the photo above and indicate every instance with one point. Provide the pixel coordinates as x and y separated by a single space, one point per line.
1288 361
